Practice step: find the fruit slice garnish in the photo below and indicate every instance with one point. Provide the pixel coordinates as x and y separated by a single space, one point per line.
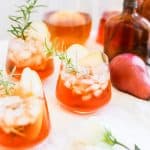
33 130
76 52
22 117
38 31
93 59
30 83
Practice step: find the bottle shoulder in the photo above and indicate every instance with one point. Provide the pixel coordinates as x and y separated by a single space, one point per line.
125 19
144 9
141 21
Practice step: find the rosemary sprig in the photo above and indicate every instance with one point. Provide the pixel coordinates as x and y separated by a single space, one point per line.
67 61
22 21
51 50
109 139
6 86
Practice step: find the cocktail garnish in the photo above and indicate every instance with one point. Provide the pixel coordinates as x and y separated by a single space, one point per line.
51 50
22 21
109 139
6 86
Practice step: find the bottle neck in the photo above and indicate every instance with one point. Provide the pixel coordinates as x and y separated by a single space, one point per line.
130 6
129 10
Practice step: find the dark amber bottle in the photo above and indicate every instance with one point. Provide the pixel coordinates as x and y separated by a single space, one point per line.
144 9
127 32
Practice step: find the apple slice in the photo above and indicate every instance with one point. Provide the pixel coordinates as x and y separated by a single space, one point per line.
93 59
38 31
32 131
76 52
31 84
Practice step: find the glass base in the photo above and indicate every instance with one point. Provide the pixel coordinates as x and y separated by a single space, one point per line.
79 110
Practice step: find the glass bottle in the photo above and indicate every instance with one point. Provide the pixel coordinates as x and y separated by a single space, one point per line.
127 32
144 9
105 16
68 23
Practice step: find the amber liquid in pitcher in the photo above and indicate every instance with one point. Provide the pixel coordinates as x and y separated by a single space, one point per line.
67 28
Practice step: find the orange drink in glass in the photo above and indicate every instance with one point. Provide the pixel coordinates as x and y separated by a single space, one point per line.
87 88
30 52
24 118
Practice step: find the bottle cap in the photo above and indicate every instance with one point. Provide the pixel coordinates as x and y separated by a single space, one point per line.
130 4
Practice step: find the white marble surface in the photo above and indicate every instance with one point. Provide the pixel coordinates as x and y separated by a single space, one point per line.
126 116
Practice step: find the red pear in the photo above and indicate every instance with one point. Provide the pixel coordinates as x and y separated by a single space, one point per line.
129 74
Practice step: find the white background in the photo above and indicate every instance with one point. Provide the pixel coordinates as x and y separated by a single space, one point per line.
95 7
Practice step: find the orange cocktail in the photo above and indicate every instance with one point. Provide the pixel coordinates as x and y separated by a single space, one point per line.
67 28
87 89
24 119
30 52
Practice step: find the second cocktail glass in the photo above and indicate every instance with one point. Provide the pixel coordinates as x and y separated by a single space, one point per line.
86 88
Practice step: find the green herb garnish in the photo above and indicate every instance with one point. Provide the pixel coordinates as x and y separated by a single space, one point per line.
6 86
51 50
22 21
109 139
67 61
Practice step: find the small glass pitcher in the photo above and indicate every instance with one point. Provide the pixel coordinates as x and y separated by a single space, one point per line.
68 22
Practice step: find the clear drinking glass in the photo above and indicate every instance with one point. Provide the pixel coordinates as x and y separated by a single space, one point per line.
29 53
86 90
69 22
24 118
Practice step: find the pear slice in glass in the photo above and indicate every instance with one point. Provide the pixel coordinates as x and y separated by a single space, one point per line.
92 59
76 52
32 86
